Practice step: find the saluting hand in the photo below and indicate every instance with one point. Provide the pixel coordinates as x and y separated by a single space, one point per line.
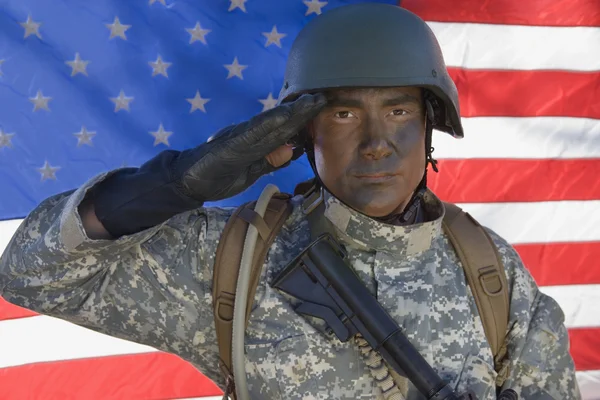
235 157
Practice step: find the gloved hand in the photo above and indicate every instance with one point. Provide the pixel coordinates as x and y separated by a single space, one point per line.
234 158
133 199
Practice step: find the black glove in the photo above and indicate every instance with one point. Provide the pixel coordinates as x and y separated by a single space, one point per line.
134 199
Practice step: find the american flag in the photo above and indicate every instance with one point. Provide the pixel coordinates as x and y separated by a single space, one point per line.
88 86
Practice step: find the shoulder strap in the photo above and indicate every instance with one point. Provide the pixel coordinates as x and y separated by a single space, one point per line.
484 272
227 265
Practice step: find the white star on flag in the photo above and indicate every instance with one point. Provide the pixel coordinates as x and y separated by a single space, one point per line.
31 28
48 172
197 102
84 137
5 139
268 103
197 33
1 62
78 65
117 29
122 101
159 66
40 102
237 4
314 6
160 1
274 37
235 69
161 136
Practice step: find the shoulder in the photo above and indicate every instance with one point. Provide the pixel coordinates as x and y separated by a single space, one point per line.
525 297
508 254
516 271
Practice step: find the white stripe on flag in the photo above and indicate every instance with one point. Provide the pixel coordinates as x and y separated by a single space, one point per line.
7 230
522 138
487 46
52 339
540 222
578 302
589 384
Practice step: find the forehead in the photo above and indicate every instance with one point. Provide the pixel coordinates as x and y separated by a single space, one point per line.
374 92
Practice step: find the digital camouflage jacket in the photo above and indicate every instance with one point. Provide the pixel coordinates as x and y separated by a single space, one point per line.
155 288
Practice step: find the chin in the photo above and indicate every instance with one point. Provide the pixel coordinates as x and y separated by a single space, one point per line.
381 204
372 200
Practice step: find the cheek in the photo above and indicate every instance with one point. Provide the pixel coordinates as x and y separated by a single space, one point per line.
410 137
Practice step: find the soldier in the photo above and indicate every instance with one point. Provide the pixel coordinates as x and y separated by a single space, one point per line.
131 252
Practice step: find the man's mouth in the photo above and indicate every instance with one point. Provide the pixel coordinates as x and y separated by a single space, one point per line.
376 177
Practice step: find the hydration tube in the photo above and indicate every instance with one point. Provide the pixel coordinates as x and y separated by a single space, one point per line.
241 297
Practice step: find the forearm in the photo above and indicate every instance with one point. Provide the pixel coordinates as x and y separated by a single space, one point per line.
134 199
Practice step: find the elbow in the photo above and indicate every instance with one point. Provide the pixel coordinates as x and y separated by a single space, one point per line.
9 284
13 280
7 274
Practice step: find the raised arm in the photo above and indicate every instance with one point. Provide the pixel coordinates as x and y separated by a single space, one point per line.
130 252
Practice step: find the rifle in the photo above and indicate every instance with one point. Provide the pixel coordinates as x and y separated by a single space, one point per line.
329 289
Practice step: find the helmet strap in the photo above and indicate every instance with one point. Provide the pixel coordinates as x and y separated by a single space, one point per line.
414 203
429 123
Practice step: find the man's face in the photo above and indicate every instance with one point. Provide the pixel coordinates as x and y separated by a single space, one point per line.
370 147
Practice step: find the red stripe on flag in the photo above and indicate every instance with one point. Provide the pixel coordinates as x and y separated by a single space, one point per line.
510 180
162 376
140 376
585 343
511 12
10 311
511 93
562 263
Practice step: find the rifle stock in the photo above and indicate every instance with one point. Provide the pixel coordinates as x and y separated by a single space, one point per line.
329 289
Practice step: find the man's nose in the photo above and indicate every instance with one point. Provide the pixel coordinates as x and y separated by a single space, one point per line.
375 144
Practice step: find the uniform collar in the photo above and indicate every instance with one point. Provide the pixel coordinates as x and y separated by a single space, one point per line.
366 233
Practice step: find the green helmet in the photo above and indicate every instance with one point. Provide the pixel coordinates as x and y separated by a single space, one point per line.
372 45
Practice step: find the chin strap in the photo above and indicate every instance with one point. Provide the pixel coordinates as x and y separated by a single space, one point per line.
431 104
411 211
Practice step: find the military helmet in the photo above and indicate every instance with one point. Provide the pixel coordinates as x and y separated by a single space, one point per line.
372 45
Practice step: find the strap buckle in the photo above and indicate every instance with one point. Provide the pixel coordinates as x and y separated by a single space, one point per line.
490 280
312 199
224 307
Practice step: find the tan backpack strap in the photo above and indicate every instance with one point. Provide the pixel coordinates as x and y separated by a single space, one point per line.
485 275
227 264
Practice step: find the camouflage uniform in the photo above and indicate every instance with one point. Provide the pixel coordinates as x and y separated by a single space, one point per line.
155 287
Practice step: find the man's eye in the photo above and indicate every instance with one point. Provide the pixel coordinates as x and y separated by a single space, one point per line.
343 114
399 112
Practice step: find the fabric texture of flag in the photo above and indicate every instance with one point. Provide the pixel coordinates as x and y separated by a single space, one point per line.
87 87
